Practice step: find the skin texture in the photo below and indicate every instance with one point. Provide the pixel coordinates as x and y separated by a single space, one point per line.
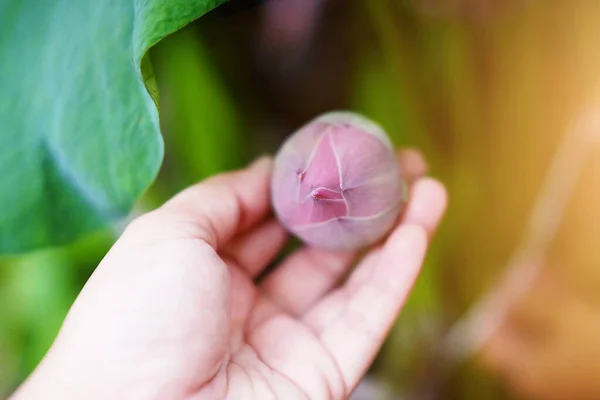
174 312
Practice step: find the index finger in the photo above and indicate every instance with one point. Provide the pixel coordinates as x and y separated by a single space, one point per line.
353 321
218 208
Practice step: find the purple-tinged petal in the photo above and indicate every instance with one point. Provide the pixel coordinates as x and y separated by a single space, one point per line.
336 183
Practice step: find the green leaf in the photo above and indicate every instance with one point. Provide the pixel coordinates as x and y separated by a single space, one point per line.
79 133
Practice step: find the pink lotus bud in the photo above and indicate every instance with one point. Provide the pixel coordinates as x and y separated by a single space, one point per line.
336 182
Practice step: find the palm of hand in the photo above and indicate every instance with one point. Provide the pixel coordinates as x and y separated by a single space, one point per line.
282 338
173 311
272 352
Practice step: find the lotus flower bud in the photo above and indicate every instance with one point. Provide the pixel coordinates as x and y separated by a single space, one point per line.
336 182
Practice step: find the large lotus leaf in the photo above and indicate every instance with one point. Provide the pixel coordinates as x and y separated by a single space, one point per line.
79 133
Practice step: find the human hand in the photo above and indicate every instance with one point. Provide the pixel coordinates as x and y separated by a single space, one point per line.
174 312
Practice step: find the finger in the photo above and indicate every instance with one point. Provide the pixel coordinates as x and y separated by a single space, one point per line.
427 206
253 250
215 210
426 191
352 323
412 164
304 277
309 274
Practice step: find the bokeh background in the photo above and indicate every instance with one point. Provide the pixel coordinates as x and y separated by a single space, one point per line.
487 89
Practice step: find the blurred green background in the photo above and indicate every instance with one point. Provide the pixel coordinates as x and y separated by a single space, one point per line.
484 88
